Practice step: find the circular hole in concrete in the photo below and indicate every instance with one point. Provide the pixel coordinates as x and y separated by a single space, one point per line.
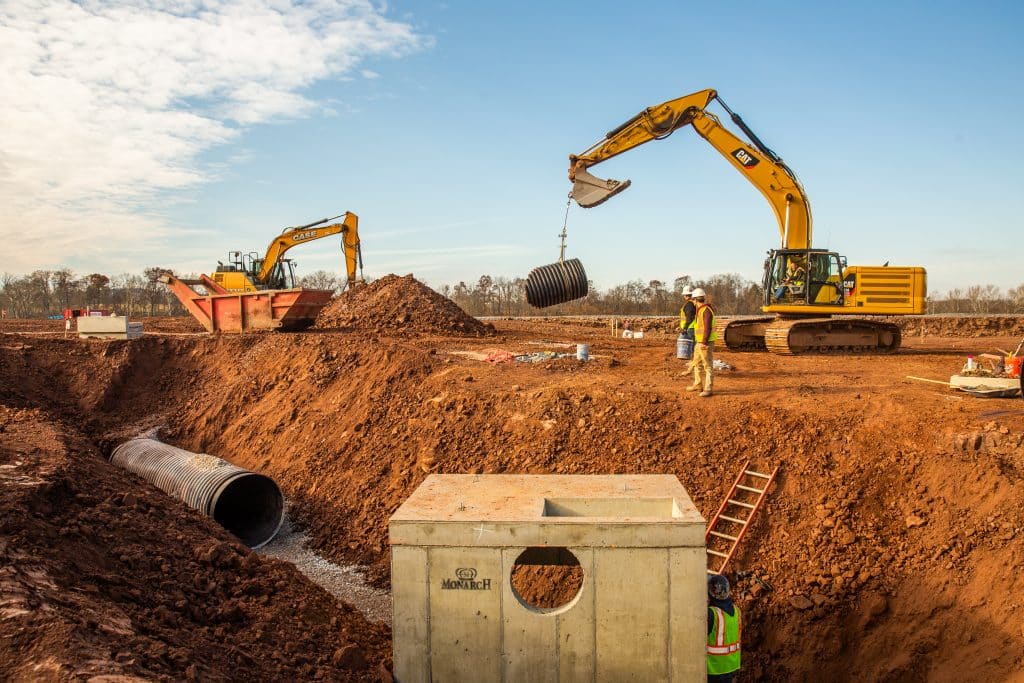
251 507
546 579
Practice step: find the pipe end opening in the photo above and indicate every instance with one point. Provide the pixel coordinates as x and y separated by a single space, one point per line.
251 507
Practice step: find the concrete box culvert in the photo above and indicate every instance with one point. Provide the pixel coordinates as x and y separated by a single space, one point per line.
247 504
634 543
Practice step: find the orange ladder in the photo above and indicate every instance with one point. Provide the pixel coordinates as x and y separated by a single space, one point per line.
738 499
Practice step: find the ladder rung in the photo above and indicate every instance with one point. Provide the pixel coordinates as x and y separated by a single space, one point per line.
758 474
740 502
721 535
750 488
715 552
733 519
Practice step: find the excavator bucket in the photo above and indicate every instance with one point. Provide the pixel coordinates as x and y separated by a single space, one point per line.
588 190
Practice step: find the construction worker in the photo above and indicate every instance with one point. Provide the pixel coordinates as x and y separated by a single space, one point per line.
704 352
724 632
687 313
794 280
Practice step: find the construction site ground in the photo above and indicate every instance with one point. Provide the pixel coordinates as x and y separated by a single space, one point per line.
891 549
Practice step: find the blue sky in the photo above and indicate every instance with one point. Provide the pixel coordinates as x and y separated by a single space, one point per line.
169 138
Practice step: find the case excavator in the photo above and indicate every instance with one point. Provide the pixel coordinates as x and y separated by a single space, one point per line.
812 293
250 272
251 292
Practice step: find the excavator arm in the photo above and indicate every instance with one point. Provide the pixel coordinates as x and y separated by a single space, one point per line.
349 229
758 164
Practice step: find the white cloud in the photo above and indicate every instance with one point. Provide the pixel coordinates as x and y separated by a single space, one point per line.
108 104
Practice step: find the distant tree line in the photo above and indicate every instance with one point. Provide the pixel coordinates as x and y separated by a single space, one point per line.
979 299
44 293
730 293
500 296
48 292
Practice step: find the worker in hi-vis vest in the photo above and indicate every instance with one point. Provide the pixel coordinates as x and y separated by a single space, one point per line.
724 630
687 313
705 336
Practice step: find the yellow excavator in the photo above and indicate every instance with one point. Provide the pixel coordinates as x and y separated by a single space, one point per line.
250 272
810 291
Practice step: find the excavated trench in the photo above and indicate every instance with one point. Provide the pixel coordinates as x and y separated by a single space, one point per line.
891 549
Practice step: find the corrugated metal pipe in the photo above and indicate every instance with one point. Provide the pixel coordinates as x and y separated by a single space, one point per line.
247 504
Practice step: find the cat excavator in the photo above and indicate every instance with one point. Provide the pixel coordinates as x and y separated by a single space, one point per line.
811 292
250 272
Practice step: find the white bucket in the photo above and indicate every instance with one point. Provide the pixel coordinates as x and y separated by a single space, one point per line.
684 348
583 352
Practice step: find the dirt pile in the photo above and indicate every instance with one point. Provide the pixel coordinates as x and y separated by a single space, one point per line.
402 305
890 549
962 326
101 574
840 546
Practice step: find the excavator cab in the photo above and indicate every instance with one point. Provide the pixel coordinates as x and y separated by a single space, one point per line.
283 275
804 277
241 273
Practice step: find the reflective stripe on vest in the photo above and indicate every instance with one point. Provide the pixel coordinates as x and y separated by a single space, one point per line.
723 647
698 323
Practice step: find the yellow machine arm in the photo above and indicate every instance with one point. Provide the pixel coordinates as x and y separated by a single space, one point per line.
760 165
349 229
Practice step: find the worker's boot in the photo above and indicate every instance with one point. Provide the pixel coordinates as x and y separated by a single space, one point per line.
696 378
709 382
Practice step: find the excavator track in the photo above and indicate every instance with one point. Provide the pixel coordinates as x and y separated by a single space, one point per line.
745 334
831 335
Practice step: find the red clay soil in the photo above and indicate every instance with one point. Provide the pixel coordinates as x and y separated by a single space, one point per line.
890 550
401 305
103 575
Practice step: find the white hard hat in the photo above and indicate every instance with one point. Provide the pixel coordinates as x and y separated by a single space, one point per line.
698 293
687 290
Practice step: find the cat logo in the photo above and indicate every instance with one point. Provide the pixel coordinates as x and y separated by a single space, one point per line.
746 159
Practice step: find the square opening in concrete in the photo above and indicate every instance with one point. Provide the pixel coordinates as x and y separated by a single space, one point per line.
631 508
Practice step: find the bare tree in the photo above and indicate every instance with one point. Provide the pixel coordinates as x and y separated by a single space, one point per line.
1016 299
983 298
321 279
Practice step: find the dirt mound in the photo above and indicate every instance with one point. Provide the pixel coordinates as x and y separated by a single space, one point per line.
889 550
962 325
400 305
103 575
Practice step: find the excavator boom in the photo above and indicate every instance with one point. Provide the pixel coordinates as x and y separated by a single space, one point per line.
758 164
349 229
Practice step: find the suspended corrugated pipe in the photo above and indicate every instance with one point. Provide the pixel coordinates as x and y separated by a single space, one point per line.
556 283
247 504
